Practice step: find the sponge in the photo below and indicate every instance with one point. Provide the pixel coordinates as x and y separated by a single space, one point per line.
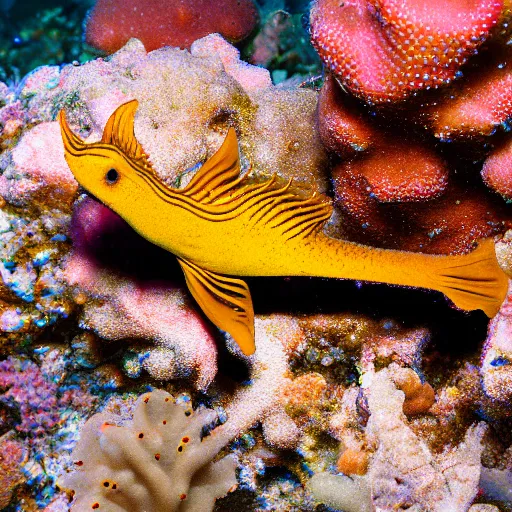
153 463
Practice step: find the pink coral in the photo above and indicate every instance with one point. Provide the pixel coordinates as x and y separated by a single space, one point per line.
123 306
39 158
475 107
496 171
496 365
37 397
393 166
384 50
251 78
393 185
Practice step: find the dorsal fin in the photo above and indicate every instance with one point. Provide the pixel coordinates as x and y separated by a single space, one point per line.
119 131
221 169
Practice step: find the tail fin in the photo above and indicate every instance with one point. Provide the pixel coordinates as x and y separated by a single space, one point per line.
474 280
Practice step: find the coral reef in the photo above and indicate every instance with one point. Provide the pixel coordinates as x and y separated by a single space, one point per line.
358 397
12 455
158 23
404 474
401 193
121 308
162 449
428 78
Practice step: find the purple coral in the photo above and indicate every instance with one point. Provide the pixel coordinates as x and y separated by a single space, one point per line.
36 396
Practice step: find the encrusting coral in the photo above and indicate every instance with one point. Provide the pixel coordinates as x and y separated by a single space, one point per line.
402 471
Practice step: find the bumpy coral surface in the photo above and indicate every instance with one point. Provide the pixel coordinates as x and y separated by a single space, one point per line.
160 23
179 127
398 189
385 50
402 471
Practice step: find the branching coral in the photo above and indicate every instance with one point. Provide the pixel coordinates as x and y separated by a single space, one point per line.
158 461
155 462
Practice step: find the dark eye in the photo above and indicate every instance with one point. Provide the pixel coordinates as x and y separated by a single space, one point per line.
112 176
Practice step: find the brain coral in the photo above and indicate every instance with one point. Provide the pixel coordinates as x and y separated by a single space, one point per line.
153 463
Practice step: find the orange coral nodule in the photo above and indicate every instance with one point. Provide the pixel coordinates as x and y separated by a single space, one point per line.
419 397
353 462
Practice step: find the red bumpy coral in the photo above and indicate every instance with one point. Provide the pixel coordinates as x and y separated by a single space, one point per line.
385 50
159 23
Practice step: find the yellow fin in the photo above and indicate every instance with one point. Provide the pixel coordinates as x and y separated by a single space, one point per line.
474 280
72 143
293 215
119 131
222 169
225 301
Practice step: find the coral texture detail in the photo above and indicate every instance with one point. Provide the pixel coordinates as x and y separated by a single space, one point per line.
385 50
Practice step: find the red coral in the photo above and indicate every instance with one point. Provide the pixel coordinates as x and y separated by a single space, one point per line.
159 23
497 170
388 166
446 225
384 50
12 455
479 104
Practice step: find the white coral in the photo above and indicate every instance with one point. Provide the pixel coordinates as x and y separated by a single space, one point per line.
154 462
143 482
403 473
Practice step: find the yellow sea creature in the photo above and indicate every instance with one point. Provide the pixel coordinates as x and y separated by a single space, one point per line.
222 226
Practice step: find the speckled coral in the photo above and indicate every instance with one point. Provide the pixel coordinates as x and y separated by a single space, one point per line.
12 455
384 50
154 462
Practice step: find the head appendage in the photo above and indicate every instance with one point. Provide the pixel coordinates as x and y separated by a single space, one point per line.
119 131
72 143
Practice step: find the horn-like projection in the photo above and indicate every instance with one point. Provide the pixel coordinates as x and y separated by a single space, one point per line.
119 131
72 143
